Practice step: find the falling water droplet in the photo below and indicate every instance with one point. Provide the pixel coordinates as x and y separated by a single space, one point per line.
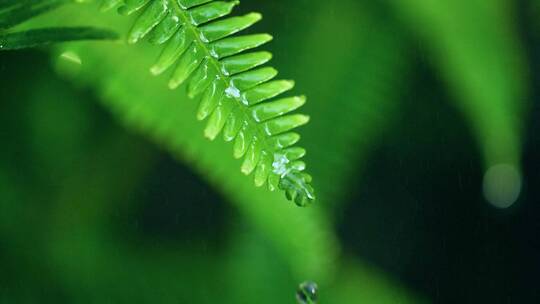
307 293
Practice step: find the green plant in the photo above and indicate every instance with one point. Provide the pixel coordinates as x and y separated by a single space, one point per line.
239 97
355 83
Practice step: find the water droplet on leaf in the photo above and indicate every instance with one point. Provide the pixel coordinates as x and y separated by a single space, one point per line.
307 293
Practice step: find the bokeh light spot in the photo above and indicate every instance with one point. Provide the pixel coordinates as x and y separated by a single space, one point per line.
71 57
502 185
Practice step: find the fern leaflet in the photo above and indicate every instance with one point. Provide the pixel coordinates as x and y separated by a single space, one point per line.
238 94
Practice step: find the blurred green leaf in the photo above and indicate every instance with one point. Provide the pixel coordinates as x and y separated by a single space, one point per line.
45 36
14 12
360 99
474 43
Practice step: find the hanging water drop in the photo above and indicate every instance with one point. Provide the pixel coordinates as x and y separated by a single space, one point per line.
307 293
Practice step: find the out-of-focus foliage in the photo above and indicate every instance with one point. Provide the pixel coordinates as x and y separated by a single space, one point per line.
15 12
475 44
39 37
76 190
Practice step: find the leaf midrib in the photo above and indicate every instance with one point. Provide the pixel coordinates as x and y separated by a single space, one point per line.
252 123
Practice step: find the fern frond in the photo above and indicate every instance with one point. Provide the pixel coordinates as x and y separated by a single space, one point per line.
239 98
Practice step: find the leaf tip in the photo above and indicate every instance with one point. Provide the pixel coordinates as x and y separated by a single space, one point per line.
255 16
132 39
173 84
156 70
303 119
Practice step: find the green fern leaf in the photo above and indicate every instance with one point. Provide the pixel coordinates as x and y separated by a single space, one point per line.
239 98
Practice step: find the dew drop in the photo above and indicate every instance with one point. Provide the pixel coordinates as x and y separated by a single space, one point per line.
203 38
224 70
307 293
192 20
280 164
232 91
213 53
